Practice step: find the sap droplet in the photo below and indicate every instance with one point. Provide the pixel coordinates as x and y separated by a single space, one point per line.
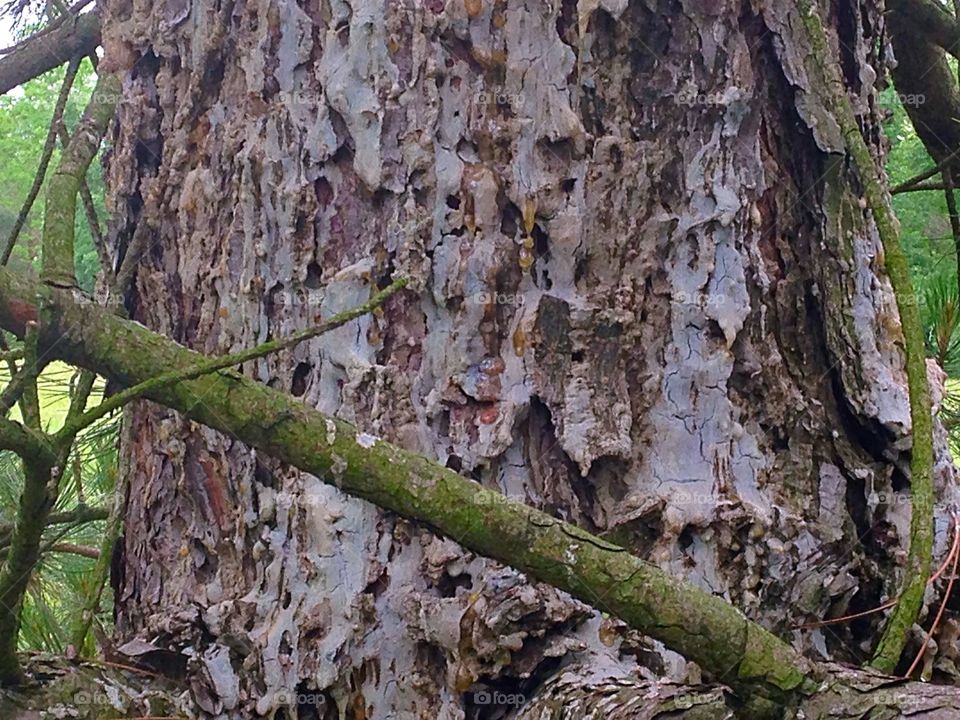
526 259
519 342
489 415
529 215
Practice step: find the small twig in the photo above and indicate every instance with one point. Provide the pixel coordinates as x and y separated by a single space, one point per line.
23 386
889 603
924 187
907 185
74 549
121 666
951 199
79 515
128 265
91 601
955 553
7 358
72 426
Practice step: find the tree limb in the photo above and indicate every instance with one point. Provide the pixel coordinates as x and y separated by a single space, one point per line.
56 123
22 441
78 516
47 50
61 207
933 22
919 560
686 619
35 502
75 422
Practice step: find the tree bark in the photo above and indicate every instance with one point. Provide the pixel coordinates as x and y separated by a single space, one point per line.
652 304
767 676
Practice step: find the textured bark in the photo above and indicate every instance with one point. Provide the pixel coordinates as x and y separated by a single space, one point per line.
703 628
651 303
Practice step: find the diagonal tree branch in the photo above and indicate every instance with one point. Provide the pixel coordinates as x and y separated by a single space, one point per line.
932 21
723 640
76 422
56 124
79 515
49 49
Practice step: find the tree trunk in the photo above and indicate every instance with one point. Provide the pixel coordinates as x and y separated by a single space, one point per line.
646 298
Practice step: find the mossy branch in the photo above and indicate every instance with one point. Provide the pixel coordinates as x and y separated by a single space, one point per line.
61 206
56 122
690 621
910 599
38 496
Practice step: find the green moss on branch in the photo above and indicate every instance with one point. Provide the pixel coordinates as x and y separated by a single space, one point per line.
695 623
910 600
61 205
